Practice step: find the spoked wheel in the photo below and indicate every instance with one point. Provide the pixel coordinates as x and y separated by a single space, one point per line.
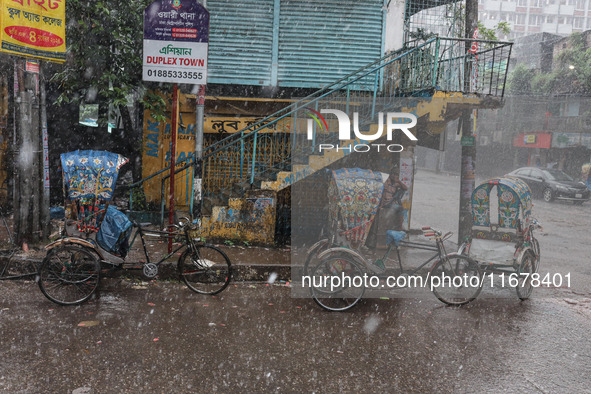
312 256
207 270
535 245
333 283
456 280
526 269
69 275
548 195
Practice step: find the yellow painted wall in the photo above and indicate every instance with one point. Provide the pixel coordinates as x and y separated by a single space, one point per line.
250 219
156 143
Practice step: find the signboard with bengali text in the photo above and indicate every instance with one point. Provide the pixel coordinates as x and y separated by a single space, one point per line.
34 28
176 36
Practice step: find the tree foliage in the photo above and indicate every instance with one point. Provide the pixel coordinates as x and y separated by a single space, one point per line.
104 40
520 80
571 73
104 44
501 28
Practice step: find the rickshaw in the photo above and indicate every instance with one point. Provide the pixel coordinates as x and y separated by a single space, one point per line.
506 244
354 196
95 238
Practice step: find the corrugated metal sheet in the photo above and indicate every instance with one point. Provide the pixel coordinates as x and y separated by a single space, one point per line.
316 41
321 41
240 41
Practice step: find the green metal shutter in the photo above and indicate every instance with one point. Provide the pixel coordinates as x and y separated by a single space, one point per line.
321 41
240 42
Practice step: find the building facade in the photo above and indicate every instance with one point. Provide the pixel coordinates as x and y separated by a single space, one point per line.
526 17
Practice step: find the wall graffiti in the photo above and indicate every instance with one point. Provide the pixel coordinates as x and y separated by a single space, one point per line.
250 219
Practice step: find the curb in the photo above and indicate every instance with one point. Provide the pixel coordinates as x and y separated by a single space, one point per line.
167 270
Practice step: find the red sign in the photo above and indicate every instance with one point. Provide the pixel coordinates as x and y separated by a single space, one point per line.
533 140
34 37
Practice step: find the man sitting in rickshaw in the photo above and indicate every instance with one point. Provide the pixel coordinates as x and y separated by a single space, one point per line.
391 212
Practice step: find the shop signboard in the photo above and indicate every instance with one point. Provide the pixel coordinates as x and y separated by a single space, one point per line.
34 29
533 140
566 140
176 36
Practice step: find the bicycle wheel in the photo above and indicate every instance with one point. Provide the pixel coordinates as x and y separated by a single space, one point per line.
206 270
536 248
456 280
526 269
69 275
333 283
313 253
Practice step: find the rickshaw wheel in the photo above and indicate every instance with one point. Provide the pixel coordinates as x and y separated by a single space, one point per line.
527 266
329 294
460 280
206 270
313 253
535 245
69 275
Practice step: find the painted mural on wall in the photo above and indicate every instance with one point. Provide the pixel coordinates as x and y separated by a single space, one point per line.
250 219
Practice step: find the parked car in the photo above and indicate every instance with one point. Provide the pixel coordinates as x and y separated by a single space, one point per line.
550 184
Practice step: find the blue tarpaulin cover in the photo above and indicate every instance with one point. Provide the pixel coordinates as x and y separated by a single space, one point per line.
114 233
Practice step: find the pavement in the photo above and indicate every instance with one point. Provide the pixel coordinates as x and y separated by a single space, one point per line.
250 263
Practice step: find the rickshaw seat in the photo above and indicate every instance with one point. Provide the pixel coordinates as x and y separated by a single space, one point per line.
394 236
487 250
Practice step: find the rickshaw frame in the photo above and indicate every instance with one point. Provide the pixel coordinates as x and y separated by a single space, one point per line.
515 225
75 262
344 245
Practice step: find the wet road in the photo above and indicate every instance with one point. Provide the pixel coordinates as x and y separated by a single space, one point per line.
161 337
255 338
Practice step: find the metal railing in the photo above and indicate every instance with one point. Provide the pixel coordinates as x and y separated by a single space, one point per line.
276 142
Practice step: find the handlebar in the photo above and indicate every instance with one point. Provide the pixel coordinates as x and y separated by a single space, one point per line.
430 232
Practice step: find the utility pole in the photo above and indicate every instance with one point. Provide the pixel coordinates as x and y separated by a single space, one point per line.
468 169
27 191
44 215
197 173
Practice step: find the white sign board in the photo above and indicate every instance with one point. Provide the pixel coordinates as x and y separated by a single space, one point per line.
180 62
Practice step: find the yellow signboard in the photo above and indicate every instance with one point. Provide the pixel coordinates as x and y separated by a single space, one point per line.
34 28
